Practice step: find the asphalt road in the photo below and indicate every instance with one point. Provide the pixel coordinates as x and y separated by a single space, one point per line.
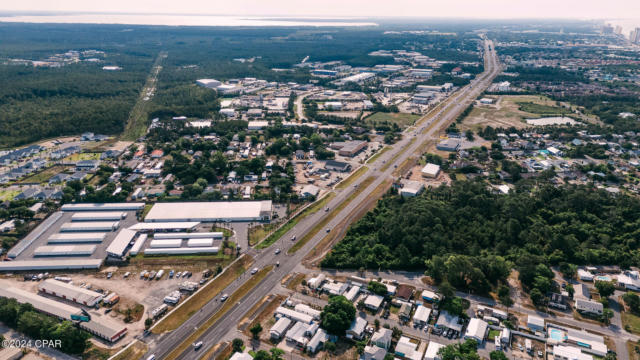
425 130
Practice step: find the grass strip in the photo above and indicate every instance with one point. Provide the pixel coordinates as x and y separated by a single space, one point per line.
309 235
378 154
276 235
353 177
194 303
231 301
133 352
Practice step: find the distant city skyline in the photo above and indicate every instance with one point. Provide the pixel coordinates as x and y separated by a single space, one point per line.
491 9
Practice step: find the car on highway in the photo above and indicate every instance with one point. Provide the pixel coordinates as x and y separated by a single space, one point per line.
277 263
328 230
224 297
326 209
293 238
254 271
197 345
277 251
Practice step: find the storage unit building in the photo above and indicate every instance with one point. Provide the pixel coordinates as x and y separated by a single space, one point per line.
165 226
99 216
119 244
74 238
70 292
23 244
200 242
64 250
217 211
182 251
185 235
135 249
103 207
170 243
90 226
34 265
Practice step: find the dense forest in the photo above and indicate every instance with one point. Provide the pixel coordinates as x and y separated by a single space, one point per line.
468 234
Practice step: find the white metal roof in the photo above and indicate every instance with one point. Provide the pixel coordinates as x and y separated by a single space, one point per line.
422 314
103 207
98 215
182 251
294 315
33 235
120 242
135 249
66 264
210 211
76 238
432 350
40 303
165 225
200 242
191 235
477 329
71 292
280 326
169 243
89 226
64 250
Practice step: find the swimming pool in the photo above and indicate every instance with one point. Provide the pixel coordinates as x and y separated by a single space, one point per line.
557 335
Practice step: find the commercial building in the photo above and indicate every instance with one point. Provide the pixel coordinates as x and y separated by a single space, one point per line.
85 226
337 166
74 238
430 170
208 83
164 226
35 265
103 207
70 292
448 145
64 250
182 251
193 235
349 148
477 329
211 211
119 245
357 78
99 216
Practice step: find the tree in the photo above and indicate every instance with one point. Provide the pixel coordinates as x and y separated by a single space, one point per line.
570 290
504 295
446 290
568 270
536 297
377 288
262 355
330 347
605 288
147 323
236 345
607 314
497 355
633 301
276 354
376 324
464 351
256 330
337 315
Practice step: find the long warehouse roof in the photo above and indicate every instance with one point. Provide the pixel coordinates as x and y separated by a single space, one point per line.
77 237
103 207
64 250
23 244
41 303
210 211
191 235
89 225
182 251
98 215
68 291
165 226
66 264
120 243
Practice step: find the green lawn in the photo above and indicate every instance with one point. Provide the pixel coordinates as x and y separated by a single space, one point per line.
402 119
631 322
493 334
378 154
8 194
540 109
83 156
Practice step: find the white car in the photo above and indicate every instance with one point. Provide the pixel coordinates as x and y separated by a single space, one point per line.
254 270
277 251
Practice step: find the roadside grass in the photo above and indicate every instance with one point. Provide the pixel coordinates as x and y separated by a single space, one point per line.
293 282
211 289
631 322
378 154
633 348
402 119
353 177
225 232
275 236
393 159
231 301
133 352
325 220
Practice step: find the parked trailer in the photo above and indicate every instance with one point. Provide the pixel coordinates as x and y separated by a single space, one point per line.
184 235
99 216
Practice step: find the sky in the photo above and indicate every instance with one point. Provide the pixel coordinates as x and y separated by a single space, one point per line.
492 9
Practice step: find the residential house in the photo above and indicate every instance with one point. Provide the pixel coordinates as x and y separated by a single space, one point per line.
356 330
382 338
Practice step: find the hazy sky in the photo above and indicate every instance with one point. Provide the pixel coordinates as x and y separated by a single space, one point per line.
415 8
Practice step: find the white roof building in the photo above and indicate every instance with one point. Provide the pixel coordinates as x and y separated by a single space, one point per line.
119 244
241 356
432 351
294 315
477 329
421 315
535 322
356 330
407 349
374 353
589 306
563 352
335 288
306 309
373 302
382 338
70 292
430 170
279 329
217 211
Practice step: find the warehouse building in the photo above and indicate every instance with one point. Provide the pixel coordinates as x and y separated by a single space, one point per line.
184 235
85 226
218 211
99 216
200 242
431 170
182 251
349 148
164 226
75 238
169 243
35 265
97 325
23 244
70 292
64 250
118 246
103 207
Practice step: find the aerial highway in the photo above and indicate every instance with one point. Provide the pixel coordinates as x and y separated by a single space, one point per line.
426 130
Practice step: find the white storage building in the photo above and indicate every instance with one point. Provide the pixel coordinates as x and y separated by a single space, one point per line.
90 226
182 251
103 207
192 235
170 243
70 292
23 244
421 315
477 329
99 216
211 211
34 265
200 242
294 315
135 249
64 250
165 226
74 238
119 244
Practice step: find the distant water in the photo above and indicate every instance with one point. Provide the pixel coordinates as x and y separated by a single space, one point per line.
182 20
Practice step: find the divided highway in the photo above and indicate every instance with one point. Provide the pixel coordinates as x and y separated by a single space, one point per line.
426 129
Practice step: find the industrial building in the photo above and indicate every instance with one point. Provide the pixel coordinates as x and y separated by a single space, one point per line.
448 145
23 244
164 226
99 326
218 211
99 216
103 207
431 170
64 250
182 251
104 226
184 235
135 249
35 265
349 148
70 292
119 245
168 243
74 238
